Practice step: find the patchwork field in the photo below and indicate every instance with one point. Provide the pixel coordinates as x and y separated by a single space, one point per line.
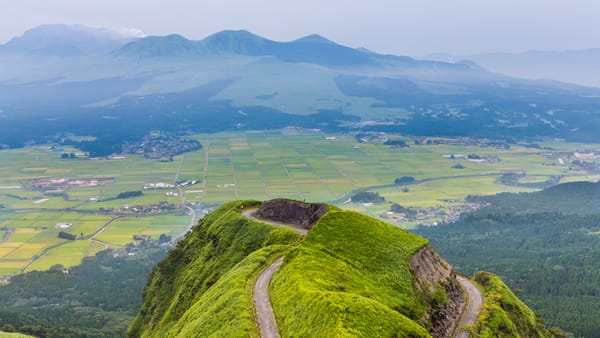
307 165
289 163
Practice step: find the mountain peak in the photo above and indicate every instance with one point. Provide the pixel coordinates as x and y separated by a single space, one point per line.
233 33
315 38
155 47
236 41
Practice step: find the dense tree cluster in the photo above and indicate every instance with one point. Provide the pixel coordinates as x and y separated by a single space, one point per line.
367 197
396 143
98 298
404 180
399 209
513 179
66 235
129 194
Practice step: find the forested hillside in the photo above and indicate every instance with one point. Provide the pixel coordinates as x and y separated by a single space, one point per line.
544 245
98 298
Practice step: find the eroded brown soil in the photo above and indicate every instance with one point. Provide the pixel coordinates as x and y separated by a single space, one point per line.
286 211
431 273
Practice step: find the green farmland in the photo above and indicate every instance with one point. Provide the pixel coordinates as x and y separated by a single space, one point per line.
258 165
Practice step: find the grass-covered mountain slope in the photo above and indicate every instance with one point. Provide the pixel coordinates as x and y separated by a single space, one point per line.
349 276
505 315
200 289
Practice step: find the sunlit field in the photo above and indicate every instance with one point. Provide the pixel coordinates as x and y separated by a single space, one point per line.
299 164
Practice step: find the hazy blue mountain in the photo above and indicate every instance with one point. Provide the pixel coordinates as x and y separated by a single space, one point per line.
237 42
576 66
227 80
64 40
156 47
318 50
310 49
313 49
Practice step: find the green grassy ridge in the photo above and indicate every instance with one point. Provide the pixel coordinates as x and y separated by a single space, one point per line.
199 262
504 315
350 277
227 307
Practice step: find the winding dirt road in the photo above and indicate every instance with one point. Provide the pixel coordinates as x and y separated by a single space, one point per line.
474 303
249 214
264 312
265 317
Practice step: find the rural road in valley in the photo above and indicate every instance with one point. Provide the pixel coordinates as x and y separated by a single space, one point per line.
192 221
265 317
474 303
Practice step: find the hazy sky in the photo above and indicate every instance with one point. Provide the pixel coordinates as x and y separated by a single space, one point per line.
413 28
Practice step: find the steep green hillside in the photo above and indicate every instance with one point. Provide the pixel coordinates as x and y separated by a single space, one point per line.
207 274
350 276
504 315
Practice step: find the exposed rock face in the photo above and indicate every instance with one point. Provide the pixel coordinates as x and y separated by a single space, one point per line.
431 273
302 214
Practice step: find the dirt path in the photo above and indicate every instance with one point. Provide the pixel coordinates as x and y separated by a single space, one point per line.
474 303
264 312
101 228
265 317
249 214
7 235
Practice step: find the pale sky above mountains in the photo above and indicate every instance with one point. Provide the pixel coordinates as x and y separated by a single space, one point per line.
416 28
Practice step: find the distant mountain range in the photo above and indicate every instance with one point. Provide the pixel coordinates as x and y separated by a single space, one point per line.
311 49
89 81
576 66
64 40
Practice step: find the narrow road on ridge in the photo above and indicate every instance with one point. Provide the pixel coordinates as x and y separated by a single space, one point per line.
249 214
265 317
264 312
473 308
